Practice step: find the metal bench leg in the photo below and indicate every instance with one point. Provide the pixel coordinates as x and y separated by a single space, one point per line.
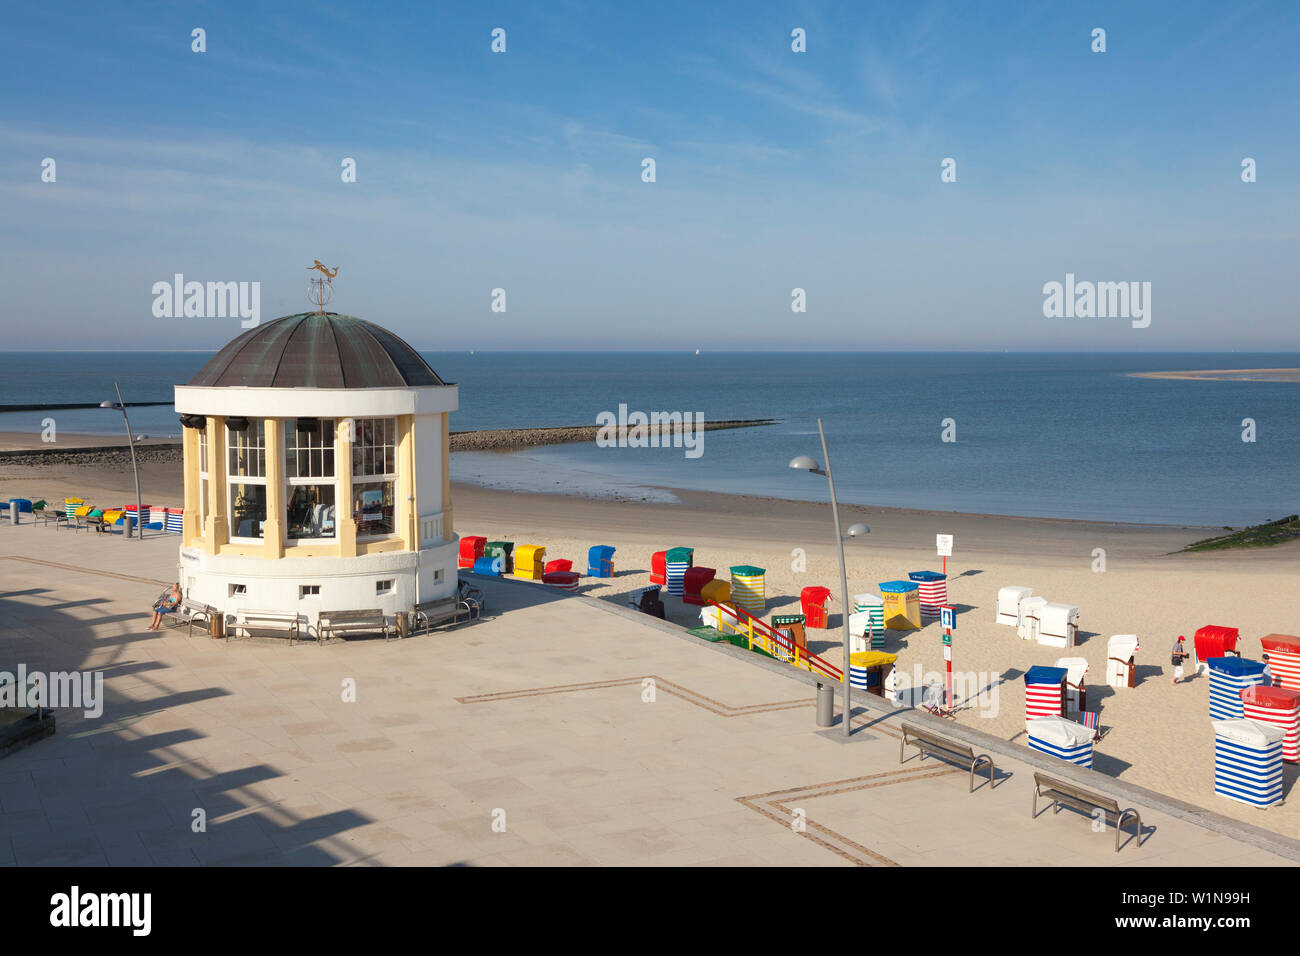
975 764
1137 826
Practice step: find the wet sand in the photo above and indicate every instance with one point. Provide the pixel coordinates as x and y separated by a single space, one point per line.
1229 375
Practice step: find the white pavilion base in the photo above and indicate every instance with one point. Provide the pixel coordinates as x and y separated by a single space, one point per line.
235 583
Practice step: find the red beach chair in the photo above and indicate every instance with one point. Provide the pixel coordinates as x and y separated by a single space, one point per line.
659 568
813 600
471 549
693 582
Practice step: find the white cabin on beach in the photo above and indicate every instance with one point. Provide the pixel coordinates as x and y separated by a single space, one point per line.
316 472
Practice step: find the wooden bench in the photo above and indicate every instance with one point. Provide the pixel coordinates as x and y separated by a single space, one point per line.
263 620
188 613
331 624
945 749
1062 793
431 614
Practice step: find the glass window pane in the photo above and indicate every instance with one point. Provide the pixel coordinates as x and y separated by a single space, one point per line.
372 507
310 511
247 510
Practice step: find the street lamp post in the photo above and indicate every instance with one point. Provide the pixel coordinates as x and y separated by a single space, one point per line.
130 441
804 463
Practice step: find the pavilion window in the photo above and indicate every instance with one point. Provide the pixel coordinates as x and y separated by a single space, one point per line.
309 478
374 475
246 479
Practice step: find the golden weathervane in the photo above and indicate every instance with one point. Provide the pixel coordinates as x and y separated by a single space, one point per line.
322 286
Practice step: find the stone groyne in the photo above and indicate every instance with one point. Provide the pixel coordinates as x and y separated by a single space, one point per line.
499 439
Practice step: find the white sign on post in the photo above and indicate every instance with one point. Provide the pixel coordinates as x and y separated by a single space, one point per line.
947 652
943 544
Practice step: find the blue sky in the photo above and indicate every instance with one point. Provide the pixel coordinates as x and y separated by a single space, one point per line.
775 170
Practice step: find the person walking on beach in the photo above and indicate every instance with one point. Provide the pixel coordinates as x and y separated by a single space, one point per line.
1176 657
165 605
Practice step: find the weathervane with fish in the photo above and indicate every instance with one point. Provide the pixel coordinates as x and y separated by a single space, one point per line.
322 286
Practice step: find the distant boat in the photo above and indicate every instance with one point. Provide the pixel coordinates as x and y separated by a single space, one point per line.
697 351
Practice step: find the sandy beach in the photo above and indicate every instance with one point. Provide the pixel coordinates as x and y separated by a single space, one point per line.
1158 735
1229 375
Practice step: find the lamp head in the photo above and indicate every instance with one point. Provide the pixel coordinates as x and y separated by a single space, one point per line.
858 530
804 463
108 404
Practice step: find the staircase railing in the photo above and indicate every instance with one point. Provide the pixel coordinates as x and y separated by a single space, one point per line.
763 636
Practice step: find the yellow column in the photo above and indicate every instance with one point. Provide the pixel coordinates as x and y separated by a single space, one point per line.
190 529
447 532
216 533
345 527
405 491
273 530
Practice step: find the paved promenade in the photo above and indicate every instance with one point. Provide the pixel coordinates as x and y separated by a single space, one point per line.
554 732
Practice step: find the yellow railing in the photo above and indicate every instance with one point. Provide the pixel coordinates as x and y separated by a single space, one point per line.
766 640
790 653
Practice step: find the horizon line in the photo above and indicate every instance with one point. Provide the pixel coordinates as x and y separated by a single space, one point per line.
103 350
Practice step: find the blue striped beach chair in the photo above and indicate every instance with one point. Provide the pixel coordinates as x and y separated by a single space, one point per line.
1092 720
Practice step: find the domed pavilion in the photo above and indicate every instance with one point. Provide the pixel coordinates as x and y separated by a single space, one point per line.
316 453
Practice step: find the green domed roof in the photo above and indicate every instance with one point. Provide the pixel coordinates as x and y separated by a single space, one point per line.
317 350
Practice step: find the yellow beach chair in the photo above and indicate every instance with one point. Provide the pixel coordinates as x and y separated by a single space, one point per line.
530 561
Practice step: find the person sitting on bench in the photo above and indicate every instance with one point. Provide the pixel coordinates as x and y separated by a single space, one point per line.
167 604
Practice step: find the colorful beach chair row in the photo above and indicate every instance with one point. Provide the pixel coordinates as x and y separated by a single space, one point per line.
900 608
1255 713
1254 709
78 515
528 562
676 571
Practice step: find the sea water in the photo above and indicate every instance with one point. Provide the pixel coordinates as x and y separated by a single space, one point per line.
1065 435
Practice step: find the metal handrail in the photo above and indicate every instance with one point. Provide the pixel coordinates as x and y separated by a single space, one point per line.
796 655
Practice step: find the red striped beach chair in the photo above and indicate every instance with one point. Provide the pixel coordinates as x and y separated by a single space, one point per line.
1092 720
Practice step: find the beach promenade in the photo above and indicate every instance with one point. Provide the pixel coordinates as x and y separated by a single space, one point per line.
556 731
